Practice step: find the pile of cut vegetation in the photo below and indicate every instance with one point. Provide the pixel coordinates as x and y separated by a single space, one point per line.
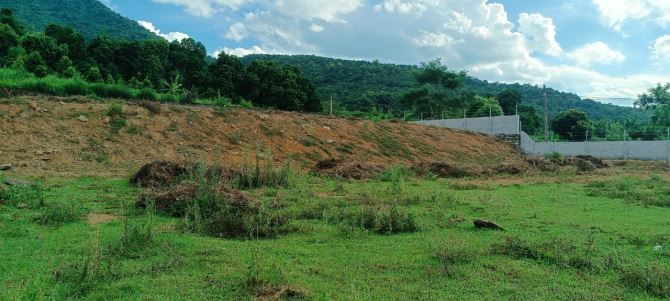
205 197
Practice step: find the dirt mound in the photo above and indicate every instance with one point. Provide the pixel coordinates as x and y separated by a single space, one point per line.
165 173
174 200
581 164
509 168
542 164
54 141
597 162
159 173
355 170
443 170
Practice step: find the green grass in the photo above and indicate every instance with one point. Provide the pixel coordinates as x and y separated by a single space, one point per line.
13 82
561 242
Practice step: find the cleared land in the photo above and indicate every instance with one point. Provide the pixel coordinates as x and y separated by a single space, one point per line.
570 234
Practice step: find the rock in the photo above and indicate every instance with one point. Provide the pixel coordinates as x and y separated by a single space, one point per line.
330 141
106 120
24 115
264 116
34 106
22 206
5 167
327 128
486 224
17 182
82 118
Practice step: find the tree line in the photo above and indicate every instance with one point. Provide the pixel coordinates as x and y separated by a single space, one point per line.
179 67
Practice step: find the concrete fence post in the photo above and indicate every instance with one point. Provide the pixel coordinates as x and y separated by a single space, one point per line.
490 121
625 145
667 147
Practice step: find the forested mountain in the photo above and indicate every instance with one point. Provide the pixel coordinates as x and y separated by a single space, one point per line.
360 85
89 17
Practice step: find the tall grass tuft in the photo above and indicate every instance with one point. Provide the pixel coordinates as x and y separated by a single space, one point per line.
264 174
27 196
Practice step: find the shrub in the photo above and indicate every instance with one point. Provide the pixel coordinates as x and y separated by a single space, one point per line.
266 175
146 93
115 110
58 214
76 88
381 220
134 239
654 280
168 98
31 196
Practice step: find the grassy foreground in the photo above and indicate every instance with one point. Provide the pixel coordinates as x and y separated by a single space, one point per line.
564 240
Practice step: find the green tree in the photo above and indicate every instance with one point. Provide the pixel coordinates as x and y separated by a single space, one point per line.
8 39
94 75
509 100
571 125
657 99
7 18
76 44
35 64
227 75
483 106
531 122
47 48
271 84
439 75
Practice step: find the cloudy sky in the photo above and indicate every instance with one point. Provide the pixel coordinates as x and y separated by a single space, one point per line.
595 48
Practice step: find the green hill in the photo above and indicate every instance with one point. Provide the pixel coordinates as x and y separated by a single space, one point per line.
360 85
90 17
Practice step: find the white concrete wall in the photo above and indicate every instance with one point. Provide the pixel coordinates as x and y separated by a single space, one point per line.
488 125
640 150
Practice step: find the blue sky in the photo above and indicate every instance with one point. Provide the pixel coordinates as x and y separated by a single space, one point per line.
595 48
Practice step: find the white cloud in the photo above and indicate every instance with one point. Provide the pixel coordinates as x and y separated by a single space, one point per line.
596 53
236 32
472 35
244 51
170 36
392 6
205 8
540 33
615 13
316 28
327 10
660 50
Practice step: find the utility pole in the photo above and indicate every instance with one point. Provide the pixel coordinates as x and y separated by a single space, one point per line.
330 110
546 116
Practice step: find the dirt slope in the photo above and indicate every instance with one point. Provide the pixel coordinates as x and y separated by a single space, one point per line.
43 136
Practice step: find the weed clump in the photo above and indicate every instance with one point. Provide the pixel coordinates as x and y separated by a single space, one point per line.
267 175
381 220
30 196
654 280
654 191
559 252
354 170
58 214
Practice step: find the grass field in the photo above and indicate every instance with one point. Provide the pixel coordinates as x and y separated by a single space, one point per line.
567 237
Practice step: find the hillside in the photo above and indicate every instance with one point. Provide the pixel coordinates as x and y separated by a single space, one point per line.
75 136
359 85
90 17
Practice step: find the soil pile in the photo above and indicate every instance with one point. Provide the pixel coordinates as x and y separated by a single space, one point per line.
73 136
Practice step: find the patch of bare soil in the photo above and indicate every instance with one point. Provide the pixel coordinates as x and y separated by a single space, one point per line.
55 141
96 219
266 293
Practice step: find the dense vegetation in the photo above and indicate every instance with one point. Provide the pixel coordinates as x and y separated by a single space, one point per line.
362 85
90 17
180 69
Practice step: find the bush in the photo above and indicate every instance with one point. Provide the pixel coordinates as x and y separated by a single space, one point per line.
112 91
58 214
31 196
115 110
76 88
147 94
266 175
381 220
654 280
